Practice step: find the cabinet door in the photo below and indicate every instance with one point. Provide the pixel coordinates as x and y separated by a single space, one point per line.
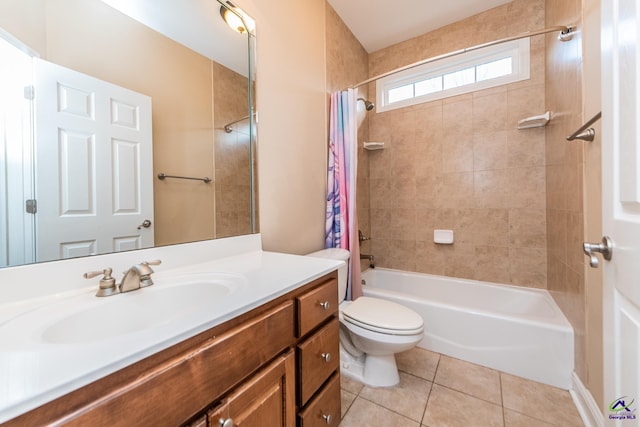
265 400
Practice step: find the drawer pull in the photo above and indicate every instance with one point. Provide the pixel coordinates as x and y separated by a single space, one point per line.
327 418
325 305
326 357
225 423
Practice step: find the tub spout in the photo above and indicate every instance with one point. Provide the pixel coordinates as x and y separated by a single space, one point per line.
371 258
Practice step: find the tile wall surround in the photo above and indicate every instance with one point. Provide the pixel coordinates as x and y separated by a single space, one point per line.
514 198
564 170
347 64
232 157
460 163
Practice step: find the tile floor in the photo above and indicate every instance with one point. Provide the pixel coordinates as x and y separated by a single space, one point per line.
436 390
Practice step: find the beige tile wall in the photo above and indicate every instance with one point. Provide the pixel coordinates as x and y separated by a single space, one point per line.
347 64
461 164
565 165
232 155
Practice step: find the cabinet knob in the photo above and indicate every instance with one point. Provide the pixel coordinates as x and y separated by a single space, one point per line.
326 357
325 305
225 423
327 418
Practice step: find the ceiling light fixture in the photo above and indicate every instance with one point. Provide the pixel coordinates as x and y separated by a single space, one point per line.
237 18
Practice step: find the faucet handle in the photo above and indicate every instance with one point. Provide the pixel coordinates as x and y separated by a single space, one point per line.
107 283
92 274
146 271
155 262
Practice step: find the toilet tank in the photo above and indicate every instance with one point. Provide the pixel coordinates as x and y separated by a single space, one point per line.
340 255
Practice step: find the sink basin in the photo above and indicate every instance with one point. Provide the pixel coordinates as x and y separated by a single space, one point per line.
151 307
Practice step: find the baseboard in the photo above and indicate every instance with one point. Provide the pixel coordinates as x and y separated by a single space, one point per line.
586 405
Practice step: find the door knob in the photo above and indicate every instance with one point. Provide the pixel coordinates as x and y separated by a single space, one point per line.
605 247
146 224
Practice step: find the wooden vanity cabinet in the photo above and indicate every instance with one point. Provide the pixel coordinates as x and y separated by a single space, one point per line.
252 368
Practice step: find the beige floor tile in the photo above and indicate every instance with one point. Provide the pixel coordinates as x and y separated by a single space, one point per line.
516 419
451 408
367 414
350 385
469 378
539 401
419 362
346 399
408 398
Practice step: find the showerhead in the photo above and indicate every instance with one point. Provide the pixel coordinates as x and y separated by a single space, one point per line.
367 104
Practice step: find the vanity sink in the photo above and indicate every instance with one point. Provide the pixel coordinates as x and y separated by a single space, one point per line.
134 311
86 318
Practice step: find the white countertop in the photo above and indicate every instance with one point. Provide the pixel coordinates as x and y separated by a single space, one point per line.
34 370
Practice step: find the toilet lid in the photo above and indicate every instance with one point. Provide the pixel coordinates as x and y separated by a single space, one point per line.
382 315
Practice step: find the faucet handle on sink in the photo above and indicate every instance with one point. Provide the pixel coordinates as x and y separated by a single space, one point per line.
146 271
156 262
107 283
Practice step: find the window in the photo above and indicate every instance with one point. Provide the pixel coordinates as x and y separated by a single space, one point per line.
468 72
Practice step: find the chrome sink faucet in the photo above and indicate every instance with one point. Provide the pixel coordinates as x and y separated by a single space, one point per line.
138 276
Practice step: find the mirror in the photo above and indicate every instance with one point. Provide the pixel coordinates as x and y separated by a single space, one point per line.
124 124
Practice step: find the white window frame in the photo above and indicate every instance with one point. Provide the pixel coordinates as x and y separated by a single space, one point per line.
517 50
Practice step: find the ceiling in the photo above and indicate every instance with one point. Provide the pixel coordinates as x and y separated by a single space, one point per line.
378 23
194 23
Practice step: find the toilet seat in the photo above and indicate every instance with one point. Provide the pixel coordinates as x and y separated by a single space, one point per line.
383 316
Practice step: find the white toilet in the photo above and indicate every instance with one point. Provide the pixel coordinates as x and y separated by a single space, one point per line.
372 330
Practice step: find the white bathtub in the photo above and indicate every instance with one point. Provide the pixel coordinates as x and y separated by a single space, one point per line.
516 330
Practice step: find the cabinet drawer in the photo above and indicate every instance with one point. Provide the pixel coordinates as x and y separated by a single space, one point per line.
319 357
317 305
324 409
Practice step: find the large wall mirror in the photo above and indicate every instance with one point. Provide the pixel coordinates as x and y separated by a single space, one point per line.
124 124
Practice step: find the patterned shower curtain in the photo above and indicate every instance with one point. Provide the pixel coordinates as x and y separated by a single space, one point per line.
341 220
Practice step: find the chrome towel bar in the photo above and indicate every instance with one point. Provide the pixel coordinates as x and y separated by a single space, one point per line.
229 129
162 176
586 133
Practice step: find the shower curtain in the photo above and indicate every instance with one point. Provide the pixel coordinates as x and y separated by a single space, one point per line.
341 221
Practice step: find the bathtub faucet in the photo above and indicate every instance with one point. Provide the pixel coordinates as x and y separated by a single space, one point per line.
371 258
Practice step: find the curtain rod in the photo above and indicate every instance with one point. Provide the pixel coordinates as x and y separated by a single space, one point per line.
566 33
